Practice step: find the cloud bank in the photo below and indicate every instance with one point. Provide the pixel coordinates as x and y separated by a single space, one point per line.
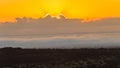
60 33
54 26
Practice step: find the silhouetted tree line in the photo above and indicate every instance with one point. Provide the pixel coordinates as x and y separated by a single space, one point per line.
60 58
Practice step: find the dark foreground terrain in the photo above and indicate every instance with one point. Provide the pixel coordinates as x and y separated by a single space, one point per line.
59 58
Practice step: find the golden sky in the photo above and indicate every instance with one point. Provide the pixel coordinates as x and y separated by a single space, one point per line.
11 9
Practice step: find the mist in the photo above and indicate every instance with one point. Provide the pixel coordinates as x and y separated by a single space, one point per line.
69 41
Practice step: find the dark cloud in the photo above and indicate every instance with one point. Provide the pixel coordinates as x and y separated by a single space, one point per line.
54 26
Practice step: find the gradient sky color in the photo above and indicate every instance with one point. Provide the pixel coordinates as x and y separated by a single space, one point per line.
11 9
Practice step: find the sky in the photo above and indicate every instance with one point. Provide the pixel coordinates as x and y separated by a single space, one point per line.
85 9
59 23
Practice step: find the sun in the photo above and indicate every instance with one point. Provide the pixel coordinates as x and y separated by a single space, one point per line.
53 7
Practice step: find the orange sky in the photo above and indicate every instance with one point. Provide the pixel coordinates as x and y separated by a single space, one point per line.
10 9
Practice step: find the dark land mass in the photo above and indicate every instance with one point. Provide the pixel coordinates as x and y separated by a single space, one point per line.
59 58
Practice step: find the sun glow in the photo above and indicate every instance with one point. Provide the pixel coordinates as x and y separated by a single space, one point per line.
92 9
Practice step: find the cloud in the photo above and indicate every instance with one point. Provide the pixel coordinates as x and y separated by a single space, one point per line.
53 26
51 32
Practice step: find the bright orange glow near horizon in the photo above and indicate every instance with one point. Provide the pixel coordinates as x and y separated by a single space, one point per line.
11 9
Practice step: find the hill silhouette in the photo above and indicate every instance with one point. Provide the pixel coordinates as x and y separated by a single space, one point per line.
50 58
